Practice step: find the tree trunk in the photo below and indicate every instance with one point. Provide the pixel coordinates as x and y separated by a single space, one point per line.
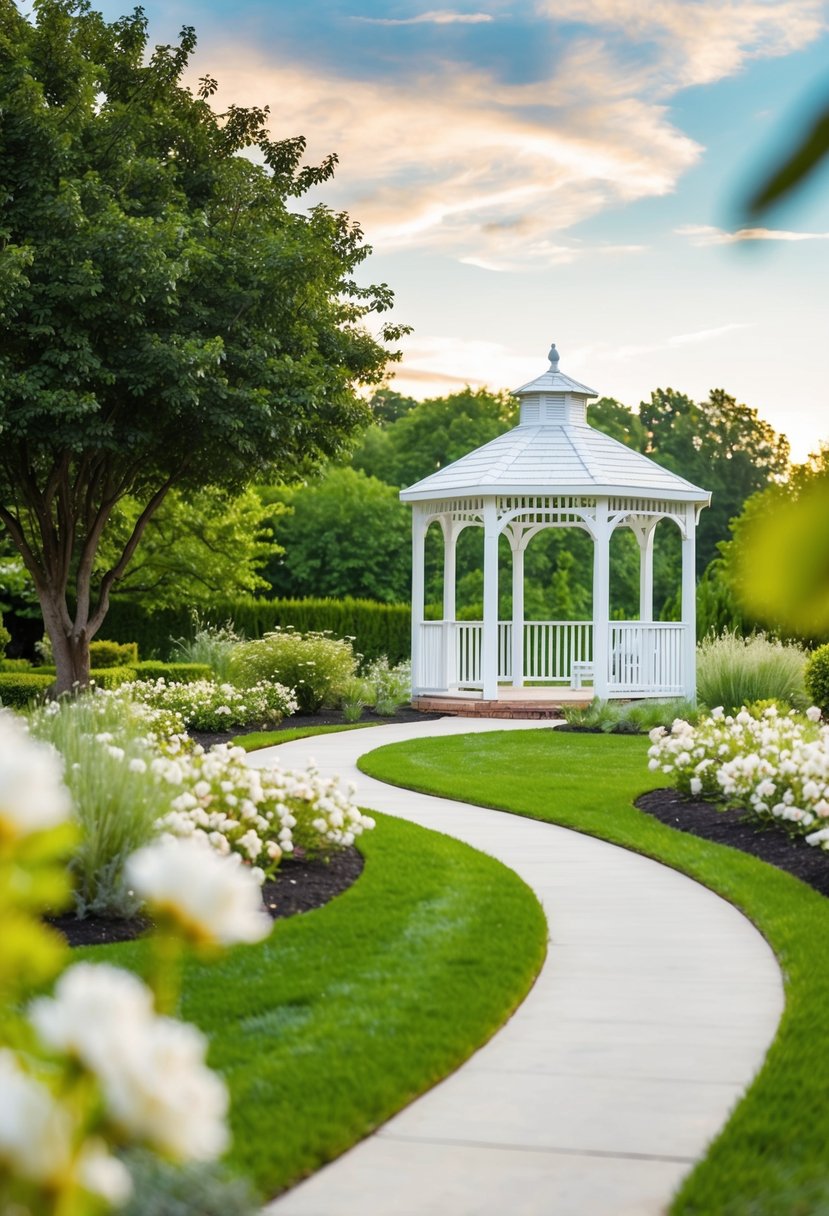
70 648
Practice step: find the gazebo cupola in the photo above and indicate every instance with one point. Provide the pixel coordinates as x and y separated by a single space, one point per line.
553 398
553 470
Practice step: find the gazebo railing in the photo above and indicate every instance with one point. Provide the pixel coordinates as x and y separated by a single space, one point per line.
552 647
643 657
646 657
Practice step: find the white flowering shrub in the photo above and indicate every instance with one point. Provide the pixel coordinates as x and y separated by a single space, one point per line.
315 665
99 1064
775 766
206 705
259 814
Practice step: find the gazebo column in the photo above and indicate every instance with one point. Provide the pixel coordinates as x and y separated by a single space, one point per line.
645 538
689 603
418 563
489 641
518 547
601 602
450 651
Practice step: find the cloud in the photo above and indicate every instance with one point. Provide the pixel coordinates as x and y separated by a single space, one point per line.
625 353
434 366
693 42
436 17
703 234
463 164
472 159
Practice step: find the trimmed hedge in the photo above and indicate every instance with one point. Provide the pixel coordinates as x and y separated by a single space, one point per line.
15 665
112 654
111 677
17 689
379 629
180 673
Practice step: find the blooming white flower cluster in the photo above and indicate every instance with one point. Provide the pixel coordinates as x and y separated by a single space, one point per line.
212 899
774 765
260 814
207 705
152 1072
33 797
38 1139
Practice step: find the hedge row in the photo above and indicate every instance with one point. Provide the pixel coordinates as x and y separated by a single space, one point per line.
379 629
18 688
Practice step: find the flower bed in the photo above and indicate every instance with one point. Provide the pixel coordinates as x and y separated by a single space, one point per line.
775 766
206 705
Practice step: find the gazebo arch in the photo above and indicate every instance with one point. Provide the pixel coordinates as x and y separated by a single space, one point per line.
553 470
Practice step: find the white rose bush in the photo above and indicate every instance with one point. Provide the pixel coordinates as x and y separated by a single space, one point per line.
773 765
99 1065
261 815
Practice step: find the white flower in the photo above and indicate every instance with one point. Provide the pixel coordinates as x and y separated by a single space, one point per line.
813 713
102 1174
155 1083
213 900
696 786
137 765
33 797
35 1131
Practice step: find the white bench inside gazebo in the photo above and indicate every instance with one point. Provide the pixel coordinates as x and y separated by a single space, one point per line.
553 470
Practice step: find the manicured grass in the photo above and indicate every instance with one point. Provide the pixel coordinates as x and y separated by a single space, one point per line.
257 739
771 1157
347 1013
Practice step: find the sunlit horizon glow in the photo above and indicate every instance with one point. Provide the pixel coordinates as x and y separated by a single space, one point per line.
565 170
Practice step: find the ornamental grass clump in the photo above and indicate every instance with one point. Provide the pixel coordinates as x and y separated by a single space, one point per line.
108 745
773 766
207 705
733 671
315 665
212 645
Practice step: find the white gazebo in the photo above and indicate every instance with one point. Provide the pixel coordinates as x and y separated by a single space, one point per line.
553 470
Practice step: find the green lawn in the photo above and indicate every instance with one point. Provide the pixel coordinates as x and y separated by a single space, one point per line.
257 739
771 1159
347 1013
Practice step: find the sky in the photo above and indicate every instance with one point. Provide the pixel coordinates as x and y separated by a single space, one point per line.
530 171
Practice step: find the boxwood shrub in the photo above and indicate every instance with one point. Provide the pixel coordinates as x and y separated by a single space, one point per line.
112 654
19 688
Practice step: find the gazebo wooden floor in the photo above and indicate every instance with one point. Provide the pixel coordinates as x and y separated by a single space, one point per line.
511 703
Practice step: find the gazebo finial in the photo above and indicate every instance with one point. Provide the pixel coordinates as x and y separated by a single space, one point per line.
553 356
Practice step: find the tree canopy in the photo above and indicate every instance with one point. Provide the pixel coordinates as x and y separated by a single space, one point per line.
169 317
347 535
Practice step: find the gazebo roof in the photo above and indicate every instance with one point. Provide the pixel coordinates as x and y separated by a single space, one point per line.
563 456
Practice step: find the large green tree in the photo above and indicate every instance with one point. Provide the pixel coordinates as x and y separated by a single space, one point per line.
168 317
718 444
198 546
347 534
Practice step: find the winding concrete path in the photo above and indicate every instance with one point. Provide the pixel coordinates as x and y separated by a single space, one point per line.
653 1011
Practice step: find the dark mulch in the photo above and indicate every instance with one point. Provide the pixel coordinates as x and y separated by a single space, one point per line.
300 886
328 717
770 844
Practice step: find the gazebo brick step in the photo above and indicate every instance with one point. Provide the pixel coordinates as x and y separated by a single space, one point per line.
467 707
